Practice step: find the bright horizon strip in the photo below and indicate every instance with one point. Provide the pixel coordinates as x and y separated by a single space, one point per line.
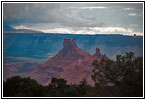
93 31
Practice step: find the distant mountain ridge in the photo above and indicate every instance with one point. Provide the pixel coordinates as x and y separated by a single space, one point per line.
9 29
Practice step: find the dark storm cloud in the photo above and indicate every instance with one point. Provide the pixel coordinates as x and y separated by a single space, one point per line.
26 13
48 13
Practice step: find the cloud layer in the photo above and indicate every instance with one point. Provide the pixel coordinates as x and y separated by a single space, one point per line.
91 18
93 31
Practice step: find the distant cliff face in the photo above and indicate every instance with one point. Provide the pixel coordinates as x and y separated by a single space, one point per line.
70 63
38 45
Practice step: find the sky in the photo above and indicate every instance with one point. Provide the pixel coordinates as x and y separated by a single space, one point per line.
76 18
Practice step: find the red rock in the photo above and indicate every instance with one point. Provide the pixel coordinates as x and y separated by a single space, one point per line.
8 70
70 63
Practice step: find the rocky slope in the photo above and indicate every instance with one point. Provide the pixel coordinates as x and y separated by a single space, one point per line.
70 63
9 70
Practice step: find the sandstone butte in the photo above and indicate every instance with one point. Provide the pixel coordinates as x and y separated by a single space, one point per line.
70 63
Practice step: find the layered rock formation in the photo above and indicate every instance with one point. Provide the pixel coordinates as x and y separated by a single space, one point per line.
70 63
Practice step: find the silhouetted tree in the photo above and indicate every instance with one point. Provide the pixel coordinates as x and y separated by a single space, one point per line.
19 87
58 86
125 75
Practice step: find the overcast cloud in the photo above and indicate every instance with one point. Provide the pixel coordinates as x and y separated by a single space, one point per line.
76 18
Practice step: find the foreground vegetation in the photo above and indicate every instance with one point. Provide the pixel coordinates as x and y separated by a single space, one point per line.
120 78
